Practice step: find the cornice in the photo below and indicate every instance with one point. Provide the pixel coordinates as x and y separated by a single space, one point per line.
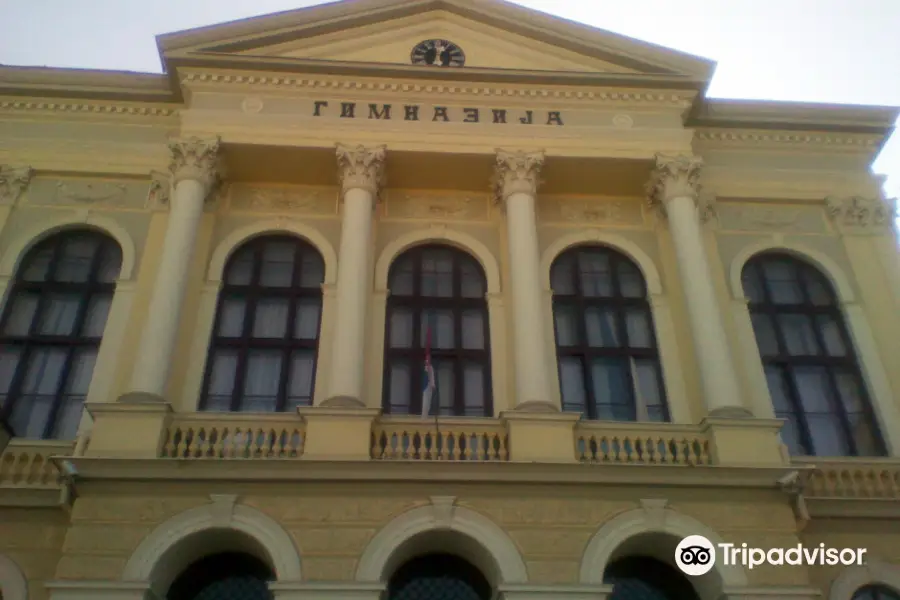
48 82
787 138
113 469
677 98
87 107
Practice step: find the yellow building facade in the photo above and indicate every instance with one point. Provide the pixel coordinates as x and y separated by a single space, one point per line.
229 291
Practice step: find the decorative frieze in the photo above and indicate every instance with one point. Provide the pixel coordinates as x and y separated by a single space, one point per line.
160 190
88 107
361 167
456 206
756 216
745 137
87 193
295 199
516 173
13 181
591 211
857 214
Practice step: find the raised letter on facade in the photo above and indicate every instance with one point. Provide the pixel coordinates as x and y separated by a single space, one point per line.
471 115
384 113
499 115
554 116
319 105
348 110
411 112
440 111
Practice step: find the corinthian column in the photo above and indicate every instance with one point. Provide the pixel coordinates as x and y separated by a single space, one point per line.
361 171
194 170
516 178
674 190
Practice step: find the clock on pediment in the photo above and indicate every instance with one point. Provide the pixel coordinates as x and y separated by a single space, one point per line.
440 53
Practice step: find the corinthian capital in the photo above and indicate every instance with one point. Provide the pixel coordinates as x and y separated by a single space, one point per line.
13 181
361 167
674 177
517 172
196 159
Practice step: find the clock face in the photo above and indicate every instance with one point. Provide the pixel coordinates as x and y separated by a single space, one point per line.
438 53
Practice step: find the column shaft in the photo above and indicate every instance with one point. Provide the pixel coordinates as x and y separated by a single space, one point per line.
194 171
347 363
674 188
529 355
361 171
515 181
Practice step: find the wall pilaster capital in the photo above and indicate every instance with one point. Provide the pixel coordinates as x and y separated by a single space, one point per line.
674 177
196 159
361 167
13 181
516 172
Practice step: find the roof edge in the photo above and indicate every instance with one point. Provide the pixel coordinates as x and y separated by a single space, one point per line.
94 84
794 116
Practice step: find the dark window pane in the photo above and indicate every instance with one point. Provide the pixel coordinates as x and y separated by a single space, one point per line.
828 438
312 270
753 288
440 325
9 359
240 268
300 382
799 335
306 321
437 274
22 309
231 317
631 281
58 314
473 330
817 289
473 387
38 263
95 319
562 277
830 331
566 325
221 380
765 334
445 385
472 281
401 328
110 263
595 274
277 269
781 279
571 379
399 391
261 381
647 385
401 280
601 328
778 389
270 318
612 382
76 259
638 326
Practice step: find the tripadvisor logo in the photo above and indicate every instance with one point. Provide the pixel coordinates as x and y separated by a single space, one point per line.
696 555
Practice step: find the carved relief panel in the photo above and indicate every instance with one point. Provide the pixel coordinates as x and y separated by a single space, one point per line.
596 211
87 192
436 206
308 200
749 215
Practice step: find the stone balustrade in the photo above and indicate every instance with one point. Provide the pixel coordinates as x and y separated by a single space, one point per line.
641 443
225 436
851 478
411 438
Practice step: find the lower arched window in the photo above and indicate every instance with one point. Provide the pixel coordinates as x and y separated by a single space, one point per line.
224 576
644 578
875 592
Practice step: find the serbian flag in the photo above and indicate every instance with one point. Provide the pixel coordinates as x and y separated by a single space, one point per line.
430 385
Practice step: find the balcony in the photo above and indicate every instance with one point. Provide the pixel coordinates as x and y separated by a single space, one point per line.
846 487
28 476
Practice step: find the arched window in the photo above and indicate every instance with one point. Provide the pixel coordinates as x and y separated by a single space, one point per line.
875 592
810 364
439 576
645 578
50 331
605 342
224 576
266 335
437 294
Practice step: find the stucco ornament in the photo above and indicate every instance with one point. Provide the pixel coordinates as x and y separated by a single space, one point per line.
361 167
517 173
857 211
13 181
675 177
196 159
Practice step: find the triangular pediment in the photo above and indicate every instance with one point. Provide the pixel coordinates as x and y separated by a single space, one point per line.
492 35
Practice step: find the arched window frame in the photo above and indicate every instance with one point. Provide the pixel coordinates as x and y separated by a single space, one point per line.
875 591
760 305
619 304
414 355
245 344
92 292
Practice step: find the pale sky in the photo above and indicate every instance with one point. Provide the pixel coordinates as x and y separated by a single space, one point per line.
832 51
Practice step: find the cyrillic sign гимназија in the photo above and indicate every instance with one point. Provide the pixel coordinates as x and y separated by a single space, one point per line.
415 112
